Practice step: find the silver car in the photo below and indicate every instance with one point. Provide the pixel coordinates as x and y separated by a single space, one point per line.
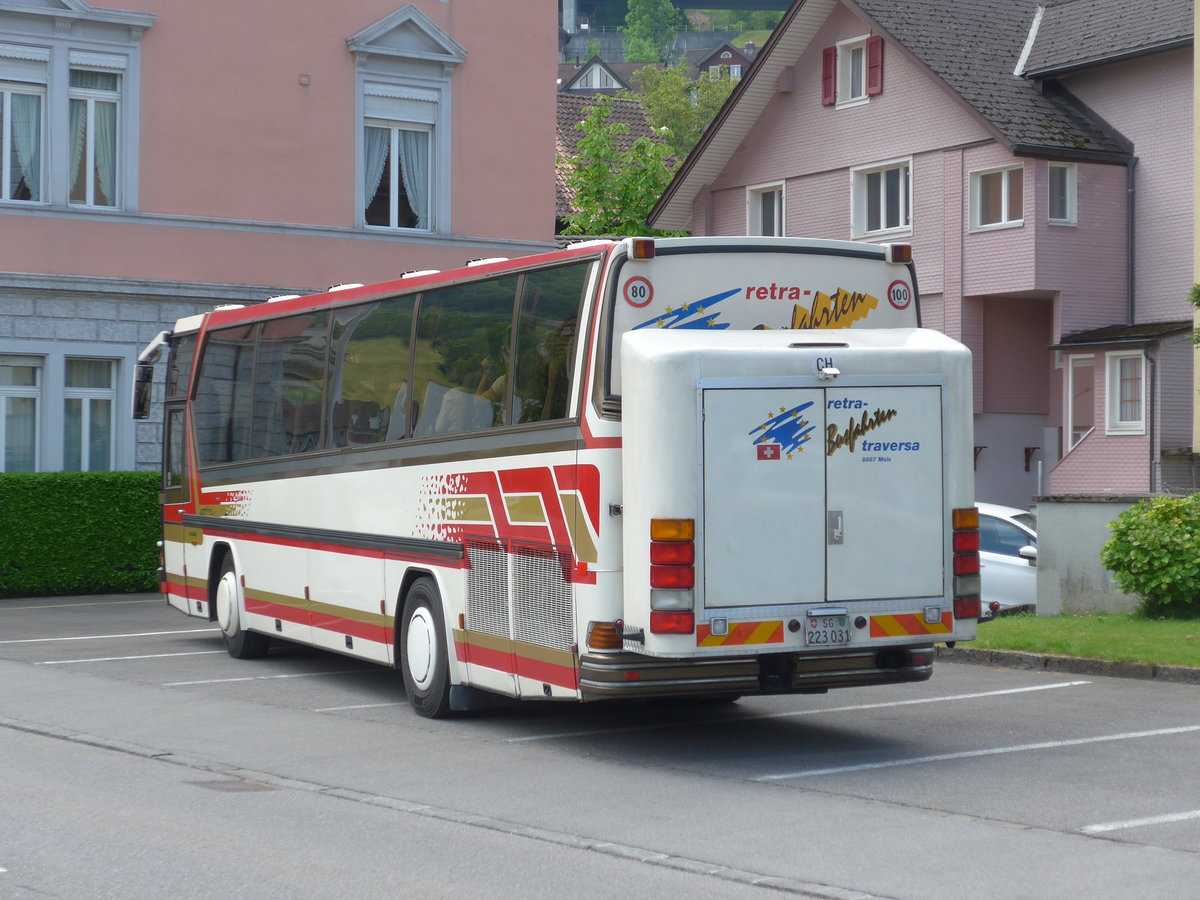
1007 559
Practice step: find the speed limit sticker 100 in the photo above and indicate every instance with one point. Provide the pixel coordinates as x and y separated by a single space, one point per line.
639 291
899 294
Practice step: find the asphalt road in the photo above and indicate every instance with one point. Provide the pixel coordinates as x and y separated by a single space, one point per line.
138 760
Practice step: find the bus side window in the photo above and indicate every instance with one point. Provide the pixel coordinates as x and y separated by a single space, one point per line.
461 372
225 395
289 384
368 399
546 342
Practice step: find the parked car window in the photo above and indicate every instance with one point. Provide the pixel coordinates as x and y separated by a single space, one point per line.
996 536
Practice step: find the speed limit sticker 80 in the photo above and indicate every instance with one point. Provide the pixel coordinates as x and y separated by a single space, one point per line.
639 291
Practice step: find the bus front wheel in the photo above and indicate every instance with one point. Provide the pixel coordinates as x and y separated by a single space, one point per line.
423 651
240 643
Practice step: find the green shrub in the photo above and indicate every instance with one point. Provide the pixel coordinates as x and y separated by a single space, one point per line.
78 532
1155 553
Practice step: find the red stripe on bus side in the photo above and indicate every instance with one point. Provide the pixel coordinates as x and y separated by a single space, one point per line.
381 634
182 590
506 661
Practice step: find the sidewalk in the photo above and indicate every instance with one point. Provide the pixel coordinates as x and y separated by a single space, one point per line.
1049 663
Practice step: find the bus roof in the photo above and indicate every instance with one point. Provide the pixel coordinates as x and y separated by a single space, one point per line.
408 282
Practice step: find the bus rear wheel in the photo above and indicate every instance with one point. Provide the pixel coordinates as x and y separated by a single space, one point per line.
227 597
423 651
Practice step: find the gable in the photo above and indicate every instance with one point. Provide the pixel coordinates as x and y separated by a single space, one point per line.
79 10
940 38
407 34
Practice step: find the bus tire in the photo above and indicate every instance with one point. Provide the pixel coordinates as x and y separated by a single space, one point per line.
227 597
423 651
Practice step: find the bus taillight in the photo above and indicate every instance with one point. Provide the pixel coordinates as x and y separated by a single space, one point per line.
966 563
672 576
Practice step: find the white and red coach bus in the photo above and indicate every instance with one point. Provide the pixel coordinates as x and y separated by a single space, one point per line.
636 468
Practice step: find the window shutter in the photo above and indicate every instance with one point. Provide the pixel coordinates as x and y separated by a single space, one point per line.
874 65
829 76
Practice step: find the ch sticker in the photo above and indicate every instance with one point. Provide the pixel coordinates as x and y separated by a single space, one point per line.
639 291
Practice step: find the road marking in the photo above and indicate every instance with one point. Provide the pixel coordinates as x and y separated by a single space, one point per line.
102 637
1138 823
972 754
263 677
360 706
67 662
446 815
795 713
7 608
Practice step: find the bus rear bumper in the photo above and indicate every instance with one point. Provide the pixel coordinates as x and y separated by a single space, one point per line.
633 675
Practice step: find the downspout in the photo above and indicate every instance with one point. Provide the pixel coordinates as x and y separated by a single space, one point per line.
1151 387
1130 253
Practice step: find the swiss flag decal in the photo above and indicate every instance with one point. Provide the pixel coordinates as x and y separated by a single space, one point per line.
768 451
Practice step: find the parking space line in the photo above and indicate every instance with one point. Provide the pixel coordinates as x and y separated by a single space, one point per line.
972 754
1138 823
4 607
796 713
361 706
265 677
68 662
101 637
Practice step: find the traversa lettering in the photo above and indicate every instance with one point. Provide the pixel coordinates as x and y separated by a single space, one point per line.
836 438
836 311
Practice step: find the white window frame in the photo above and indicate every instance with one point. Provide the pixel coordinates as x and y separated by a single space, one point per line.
861 188
849 68
91 97
395 175
7 91
754 199
22 392
1114 423
1007 220
1070 191
1078 361
87 396
409 87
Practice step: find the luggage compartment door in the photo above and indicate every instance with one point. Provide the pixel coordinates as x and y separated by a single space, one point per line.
884 464
764 530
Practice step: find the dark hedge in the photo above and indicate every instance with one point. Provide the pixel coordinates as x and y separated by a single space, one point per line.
78 532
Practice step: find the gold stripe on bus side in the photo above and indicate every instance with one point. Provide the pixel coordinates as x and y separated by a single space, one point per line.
522 649
465 509
353 615
277 599
525 509
581 537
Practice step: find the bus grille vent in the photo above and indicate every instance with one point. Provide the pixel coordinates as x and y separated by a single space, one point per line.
487 589
542 598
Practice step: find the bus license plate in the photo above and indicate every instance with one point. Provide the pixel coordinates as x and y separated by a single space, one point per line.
826 630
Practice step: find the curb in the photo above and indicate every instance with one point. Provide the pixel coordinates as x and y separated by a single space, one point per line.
1047 662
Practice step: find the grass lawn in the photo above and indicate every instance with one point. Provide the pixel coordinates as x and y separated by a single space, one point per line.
1120 638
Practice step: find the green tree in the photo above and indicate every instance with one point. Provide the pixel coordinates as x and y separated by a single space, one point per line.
649 24
615 190
682 105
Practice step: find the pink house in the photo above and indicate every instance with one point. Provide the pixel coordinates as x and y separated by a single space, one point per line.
171 155
1038 158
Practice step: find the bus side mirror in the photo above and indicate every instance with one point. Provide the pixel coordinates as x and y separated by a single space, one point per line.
143 384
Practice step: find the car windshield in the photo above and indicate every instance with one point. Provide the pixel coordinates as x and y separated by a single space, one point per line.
1029 520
